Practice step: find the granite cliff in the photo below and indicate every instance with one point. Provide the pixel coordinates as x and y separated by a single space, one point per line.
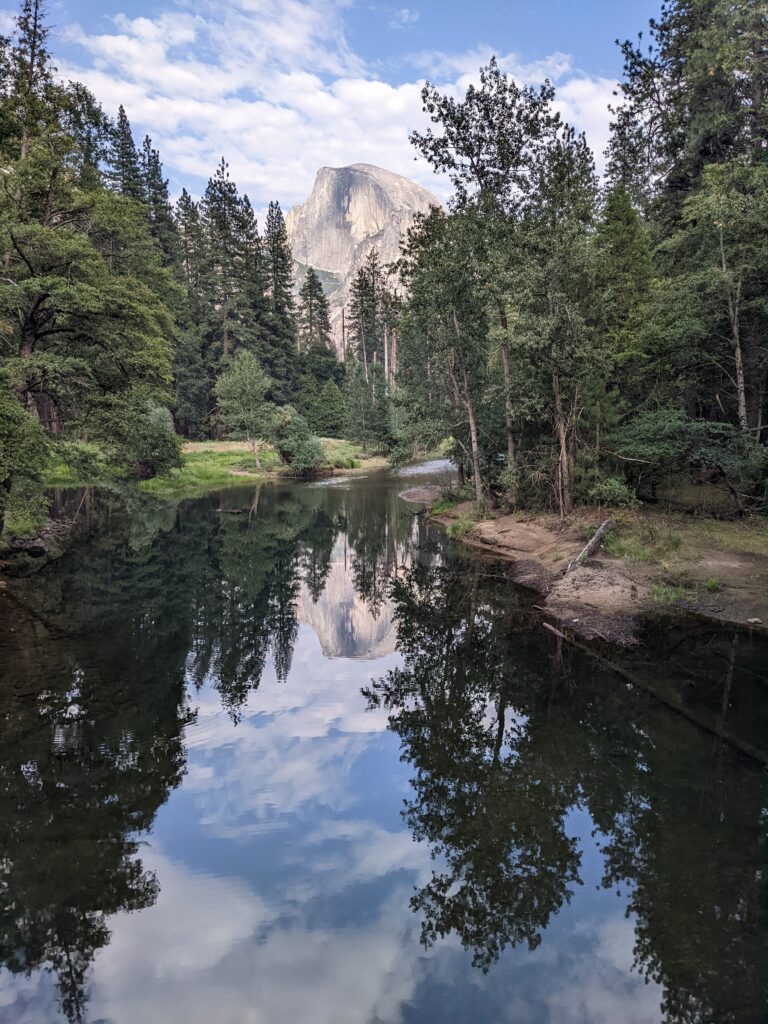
350 211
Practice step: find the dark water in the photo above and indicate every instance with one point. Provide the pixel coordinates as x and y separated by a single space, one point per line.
307 763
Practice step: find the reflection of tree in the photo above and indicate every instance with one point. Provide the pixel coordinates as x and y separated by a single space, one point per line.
92 698
488 798
503 744
93 711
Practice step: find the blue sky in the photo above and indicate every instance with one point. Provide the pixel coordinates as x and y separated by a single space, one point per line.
282 87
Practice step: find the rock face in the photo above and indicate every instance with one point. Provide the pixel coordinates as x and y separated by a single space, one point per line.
350 211
342 621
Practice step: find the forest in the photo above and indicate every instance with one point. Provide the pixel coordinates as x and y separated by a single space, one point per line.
575 338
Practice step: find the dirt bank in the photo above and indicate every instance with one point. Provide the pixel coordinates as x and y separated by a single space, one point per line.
651 561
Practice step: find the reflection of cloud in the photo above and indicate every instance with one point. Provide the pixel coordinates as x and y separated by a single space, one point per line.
27 1000
211 950
597 984
296 743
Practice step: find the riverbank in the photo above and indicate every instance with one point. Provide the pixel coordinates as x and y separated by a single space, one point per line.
207 465
650 561
29 544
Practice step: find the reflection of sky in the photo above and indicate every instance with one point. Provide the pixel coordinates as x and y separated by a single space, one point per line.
286 874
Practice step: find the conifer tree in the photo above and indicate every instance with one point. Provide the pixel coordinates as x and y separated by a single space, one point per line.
125 172
155 187
328 416
314 320
278 352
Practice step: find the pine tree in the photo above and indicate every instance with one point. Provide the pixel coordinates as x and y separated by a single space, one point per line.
155 187
314 320
328 416
220 209
278 351
125 172
366 316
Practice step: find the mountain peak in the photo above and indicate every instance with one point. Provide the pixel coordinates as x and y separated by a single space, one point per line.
350 211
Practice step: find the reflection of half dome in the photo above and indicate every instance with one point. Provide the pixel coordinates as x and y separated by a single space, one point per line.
343 622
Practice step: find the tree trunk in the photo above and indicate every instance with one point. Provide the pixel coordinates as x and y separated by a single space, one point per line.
734 302
253 443
386 355
592 546
507 397
473 440
563 475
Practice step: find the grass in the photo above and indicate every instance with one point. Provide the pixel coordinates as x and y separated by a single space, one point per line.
441 506
669 595
460 527
341 454
208 465
639 540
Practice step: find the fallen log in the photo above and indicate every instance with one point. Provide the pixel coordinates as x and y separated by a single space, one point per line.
592 546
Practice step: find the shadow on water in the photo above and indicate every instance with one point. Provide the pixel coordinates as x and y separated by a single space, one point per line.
504 731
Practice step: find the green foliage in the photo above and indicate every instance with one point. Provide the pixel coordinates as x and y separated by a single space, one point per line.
460 527
442 506
241 392
297 446
314 321
24 452
328 413
669 595
612 491
368 408
137 436
667 442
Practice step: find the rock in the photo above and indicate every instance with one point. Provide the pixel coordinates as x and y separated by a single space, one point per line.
754 622
350 211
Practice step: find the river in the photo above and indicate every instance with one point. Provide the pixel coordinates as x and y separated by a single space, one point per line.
291 755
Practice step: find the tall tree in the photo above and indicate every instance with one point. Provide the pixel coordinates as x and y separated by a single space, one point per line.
314 319
279 349
161 223
125 171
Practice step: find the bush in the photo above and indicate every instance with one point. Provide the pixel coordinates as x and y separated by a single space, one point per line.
665 442
612 491
460 527
137 436
296 445
24 452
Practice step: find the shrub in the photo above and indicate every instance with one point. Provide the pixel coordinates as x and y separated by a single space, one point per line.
460 527
137 436
297 446
612 491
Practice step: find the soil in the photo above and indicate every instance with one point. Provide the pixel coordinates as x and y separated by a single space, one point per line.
719 571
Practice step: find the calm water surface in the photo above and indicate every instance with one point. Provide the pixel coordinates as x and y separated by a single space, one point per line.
307 763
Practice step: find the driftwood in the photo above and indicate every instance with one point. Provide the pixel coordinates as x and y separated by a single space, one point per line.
592 547
671 699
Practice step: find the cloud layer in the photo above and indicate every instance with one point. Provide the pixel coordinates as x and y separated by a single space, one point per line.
274 86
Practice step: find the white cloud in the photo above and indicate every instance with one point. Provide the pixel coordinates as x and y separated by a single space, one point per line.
274 86
403 18
7 22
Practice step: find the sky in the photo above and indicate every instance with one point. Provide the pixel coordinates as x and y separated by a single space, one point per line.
280 88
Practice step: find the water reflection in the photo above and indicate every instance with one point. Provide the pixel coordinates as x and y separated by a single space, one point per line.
200 814
505 739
